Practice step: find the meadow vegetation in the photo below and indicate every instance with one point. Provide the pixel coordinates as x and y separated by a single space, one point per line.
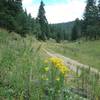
27 73
86 52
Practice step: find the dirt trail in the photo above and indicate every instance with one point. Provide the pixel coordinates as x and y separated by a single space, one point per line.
72 64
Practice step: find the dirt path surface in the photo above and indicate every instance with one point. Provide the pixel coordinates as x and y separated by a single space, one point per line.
72 64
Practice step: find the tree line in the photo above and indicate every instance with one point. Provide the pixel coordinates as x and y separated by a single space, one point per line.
14 18
89 27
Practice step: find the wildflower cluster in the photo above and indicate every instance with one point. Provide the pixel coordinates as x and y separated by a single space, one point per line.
53 77
59 64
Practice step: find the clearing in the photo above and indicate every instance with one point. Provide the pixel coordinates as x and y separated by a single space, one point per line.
72 64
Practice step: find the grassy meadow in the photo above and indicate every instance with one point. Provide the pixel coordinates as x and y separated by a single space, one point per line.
86 52
27 73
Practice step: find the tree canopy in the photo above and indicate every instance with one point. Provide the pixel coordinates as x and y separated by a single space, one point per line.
14 18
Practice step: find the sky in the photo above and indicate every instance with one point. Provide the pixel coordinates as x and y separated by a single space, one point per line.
57 11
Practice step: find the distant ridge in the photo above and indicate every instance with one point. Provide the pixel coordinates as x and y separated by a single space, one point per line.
66 26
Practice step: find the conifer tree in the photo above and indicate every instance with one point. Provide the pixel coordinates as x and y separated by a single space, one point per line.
90 18
76 30
43 23
99 10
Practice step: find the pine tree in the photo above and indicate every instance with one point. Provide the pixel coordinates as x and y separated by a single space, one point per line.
98 30
14 18
99 10
91 12
8 13
43 23
76 30
90 18
3 9
18 6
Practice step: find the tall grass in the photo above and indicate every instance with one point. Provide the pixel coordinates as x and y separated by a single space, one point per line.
25 73
17 58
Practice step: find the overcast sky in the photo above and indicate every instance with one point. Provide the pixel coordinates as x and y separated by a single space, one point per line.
57 11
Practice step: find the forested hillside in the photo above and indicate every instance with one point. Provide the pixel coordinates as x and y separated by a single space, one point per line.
65 26
14 18
65 29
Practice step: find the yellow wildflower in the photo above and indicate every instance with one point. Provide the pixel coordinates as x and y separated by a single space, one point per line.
59 64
